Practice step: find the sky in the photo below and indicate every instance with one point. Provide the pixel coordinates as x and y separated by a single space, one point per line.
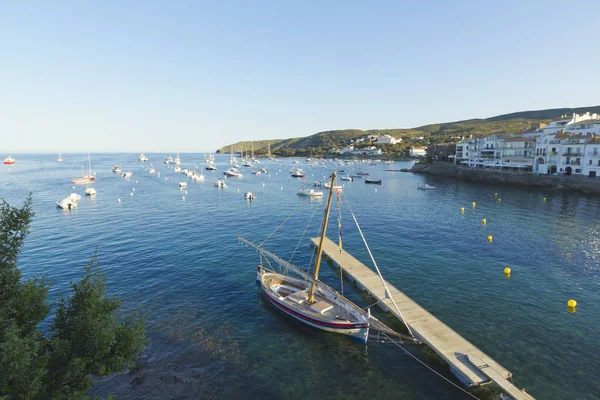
192 76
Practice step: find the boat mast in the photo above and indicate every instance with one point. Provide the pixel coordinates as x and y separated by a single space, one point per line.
89 163
311 295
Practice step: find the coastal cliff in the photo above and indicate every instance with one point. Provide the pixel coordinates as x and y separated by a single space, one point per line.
573 183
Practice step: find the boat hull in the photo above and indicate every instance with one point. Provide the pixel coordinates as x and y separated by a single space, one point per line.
357 330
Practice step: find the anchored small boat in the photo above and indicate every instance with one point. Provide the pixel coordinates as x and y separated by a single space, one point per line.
233 172
67 203
249 196
298 173
425 186
309 193
9 160
85 178
220 183
373 181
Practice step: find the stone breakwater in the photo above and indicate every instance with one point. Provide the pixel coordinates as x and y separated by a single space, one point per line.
573 183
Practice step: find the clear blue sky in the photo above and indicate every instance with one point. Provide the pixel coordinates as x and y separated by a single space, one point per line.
191 76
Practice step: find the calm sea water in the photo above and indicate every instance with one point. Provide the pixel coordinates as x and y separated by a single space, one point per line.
213 335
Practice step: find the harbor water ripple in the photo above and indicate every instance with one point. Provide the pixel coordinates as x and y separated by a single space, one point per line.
212 335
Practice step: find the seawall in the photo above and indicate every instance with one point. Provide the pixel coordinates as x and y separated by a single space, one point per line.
572 183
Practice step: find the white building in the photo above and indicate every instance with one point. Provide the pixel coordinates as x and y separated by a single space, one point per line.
418 151
387 139
578 123
569 146
370 151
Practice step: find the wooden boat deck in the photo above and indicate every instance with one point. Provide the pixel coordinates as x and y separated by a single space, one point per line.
451 346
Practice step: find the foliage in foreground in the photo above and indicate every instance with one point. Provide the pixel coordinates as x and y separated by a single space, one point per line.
86 339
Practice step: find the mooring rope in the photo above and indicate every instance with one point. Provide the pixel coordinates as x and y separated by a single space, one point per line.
284 221
429 368
303 233
387 292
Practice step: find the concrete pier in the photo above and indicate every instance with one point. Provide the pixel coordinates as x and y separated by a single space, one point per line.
471 365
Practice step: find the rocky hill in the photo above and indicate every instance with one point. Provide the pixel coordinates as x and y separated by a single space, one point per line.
321 142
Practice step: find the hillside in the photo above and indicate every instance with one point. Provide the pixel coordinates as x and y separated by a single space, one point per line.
321 142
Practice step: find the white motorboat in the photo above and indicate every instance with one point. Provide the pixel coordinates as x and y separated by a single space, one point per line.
347 178
143 157
425 186
211 168
127 174
182 184
66 203
74 197
310 193
152 171
197 177
249 196
328 185
9 160
220 183
298 173
177 168
90 191
116 169
233 172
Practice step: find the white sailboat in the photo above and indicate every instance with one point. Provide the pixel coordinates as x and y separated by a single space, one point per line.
232 159
59 158
310 300
85 178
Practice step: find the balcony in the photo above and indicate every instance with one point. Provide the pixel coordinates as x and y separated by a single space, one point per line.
572 155
572 163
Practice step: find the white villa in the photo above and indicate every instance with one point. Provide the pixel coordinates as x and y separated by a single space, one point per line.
569 146
417 152
387 139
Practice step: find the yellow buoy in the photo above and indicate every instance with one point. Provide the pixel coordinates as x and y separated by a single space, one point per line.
490 238
462 210
544 199
484 221
572 303
507 271
473 204
499 200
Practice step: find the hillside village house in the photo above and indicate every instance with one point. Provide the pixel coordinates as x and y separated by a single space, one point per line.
417 151
387 139
569 146
369 151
